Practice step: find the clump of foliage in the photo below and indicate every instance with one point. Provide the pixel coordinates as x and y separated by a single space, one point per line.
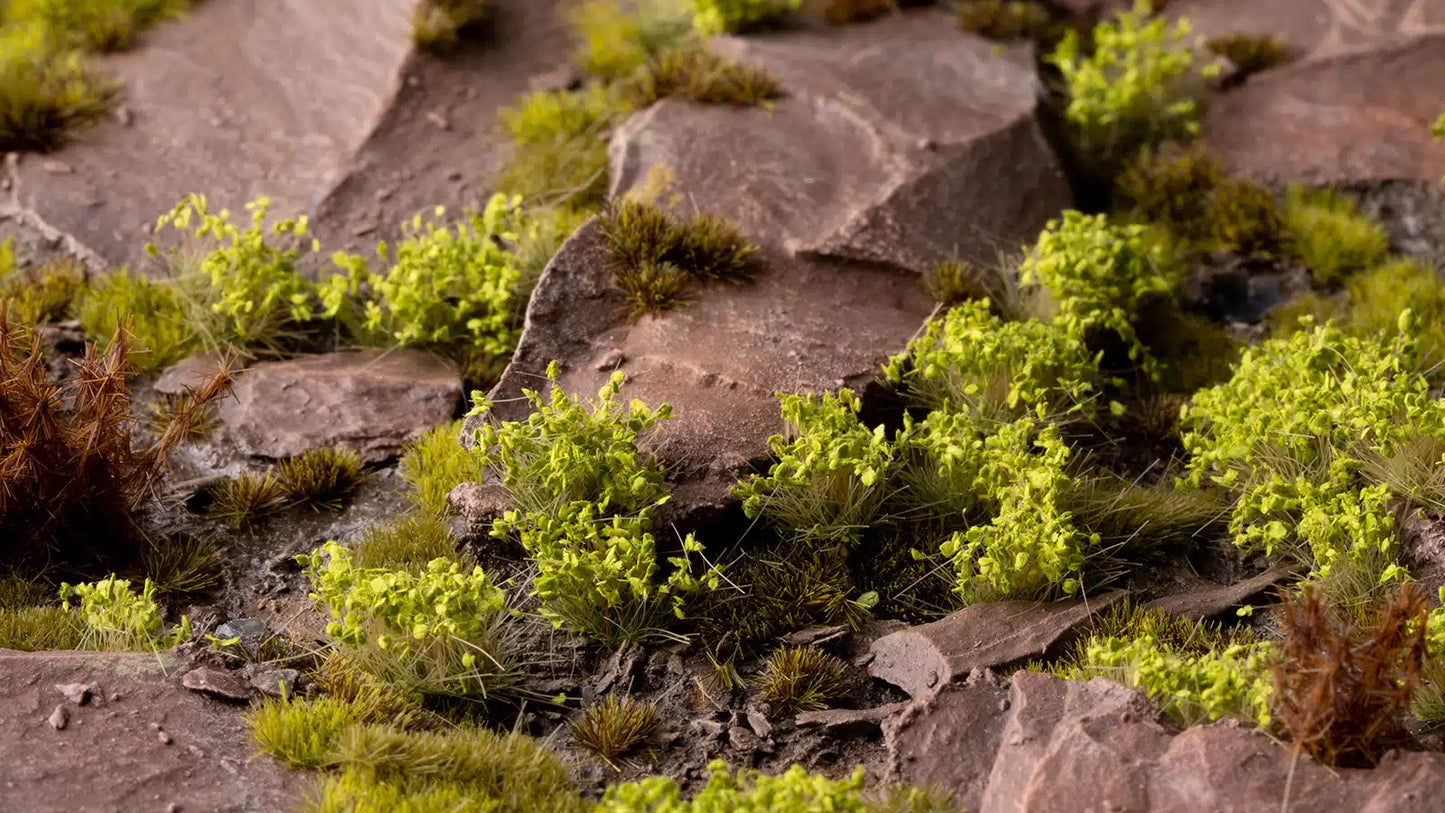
746 791
1341 686
616 725
169 406
32 621
182 565
843 12
46 92
955 282
652 256
463 768
1196 672
1185 190
972 361
251 283
800 678
43 293
700 75
118 619
733 16
439 25
447 288
74 479
617 37
559 156
247 498
1097 276
1330 235
1251 53
92 25
434 633
1006 19
830 473
436 463
321 478
302 732
1138 86
1438 128
407 542
154 311
585 494
1291 431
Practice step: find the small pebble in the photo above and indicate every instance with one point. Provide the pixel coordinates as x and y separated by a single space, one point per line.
59 718
164 738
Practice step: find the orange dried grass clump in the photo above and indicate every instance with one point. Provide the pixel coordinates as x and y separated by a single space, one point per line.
73 479
1343 687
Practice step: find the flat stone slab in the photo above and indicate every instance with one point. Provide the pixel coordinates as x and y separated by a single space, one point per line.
1315 29
1213 601
369 401
921 660
237 99
1361 115
141 742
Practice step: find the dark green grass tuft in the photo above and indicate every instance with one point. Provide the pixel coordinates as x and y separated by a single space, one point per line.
698 74
651 287
615 726
184 565
1007 20
321 478
652 256
245 499
42 293
407 543
438 26
802 678
1252 53
169 408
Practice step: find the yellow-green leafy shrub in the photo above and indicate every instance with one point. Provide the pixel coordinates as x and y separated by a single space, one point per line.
830 472
1138 86
1191 686
254 286
585 494
1291 433
117 618
974 362
746 791
1330 235
446 286
438 632
1031 548
1097 274
730 16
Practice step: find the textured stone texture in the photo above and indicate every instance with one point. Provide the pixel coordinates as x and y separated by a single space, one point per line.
1216 600
110 755
922 659
238 99
369 401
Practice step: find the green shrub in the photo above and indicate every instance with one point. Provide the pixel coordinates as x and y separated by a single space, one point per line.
1031 548
436 463
46 92
117 619
1330 235
40 294
746 791
617 37
1192 687
830 472
1292 430
559 156
732 16
1097 276
1139 86
438 25
446 287
585 494
154 311
251 278
973 361
436 633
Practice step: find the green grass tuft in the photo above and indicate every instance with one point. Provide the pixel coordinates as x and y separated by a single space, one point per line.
1252 53
42 294
559 156
247 498
617 37
1330 235
438 26
652 256
321 478
615 726
183 565
40 629
1007 20
302 732
158 319
700 75
797 678
46 92
436 463
407 542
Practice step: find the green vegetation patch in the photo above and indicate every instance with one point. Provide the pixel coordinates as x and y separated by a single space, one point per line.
439 26
733 16
699 75
1330 235
559 156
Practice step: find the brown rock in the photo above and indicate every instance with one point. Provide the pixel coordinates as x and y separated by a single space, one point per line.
275 682
77 693
217 683
922 659
231 100
59 718
1227 767
1216 600
1353 116
478 504
849 719
949 740
1422 547
368 401
112 761
1315 29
